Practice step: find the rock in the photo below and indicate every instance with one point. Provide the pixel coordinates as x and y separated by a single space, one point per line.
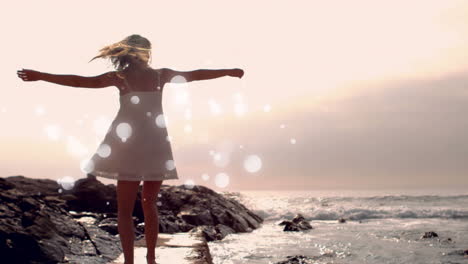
37 187
298 223
459 252
110 225
448 240
298 259
92 195
341 220
180 209
298 218
211 233
430 234
41 226
80 225
196 216
223 231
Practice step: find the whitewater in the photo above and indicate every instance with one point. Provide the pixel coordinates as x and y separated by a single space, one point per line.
383 226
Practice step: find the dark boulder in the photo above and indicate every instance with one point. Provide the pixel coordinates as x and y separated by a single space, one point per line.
298 223
430 234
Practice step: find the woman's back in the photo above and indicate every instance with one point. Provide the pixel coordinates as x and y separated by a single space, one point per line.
140 79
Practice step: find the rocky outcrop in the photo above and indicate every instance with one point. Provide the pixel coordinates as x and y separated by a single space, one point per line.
40 225
79 225
298 223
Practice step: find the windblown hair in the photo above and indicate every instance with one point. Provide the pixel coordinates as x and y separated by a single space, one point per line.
121 52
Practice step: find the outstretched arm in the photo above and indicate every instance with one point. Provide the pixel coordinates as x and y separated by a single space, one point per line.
202 74
99 81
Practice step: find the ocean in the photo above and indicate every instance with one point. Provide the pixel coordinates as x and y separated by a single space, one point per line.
382 227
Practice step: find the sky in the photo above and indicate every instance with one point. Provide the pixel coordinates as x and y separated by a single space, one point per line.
336 94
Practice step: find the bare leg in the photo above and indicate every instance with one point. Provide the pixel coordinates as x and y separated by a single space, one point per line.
126 195
150 209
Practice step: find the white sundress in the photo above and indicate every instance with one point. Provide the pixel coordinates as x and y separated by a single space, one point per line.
136 146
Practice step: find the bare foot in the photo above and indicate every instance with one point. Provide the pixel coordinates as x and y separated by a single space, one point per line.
151 260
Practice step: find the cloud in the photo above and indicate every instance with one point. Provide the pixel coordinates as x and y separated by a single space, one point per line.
398 134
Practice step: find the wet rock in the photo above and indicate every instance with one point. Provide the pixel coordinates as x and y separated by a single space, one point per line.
298 223
80 225
298 259
212 233
41 226
430 234
110 225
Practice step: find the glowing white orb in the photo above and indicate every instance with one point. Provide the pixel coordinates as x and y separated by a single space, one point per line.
221 180
282 126
161 121
107 203
53 132
75 148
189 184
66 182
241 146
170 164
124 131
135 99
205 176
293 141
266 108
178 79
188 128
148 113
104 151
87 166
39 110
60 190
252 163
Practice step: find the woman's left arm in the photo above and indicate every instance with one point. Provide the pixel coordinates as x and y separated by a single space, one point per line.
99 81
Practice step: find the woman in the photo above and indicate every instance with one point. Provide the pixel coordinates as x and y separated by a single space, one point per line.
136 147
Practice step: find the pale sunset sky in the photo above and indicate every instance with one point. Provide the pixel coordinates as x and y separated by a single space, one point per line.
336 94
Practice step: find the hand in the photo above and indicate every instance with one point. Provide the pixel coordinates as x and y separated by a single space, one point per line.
237 73
29 75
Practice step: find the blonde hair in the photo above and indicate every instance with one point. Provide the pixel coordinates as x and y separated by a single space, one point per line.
121 52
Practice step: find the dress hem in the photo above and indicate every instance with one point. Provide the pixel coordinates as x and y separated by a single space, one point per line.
143 177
